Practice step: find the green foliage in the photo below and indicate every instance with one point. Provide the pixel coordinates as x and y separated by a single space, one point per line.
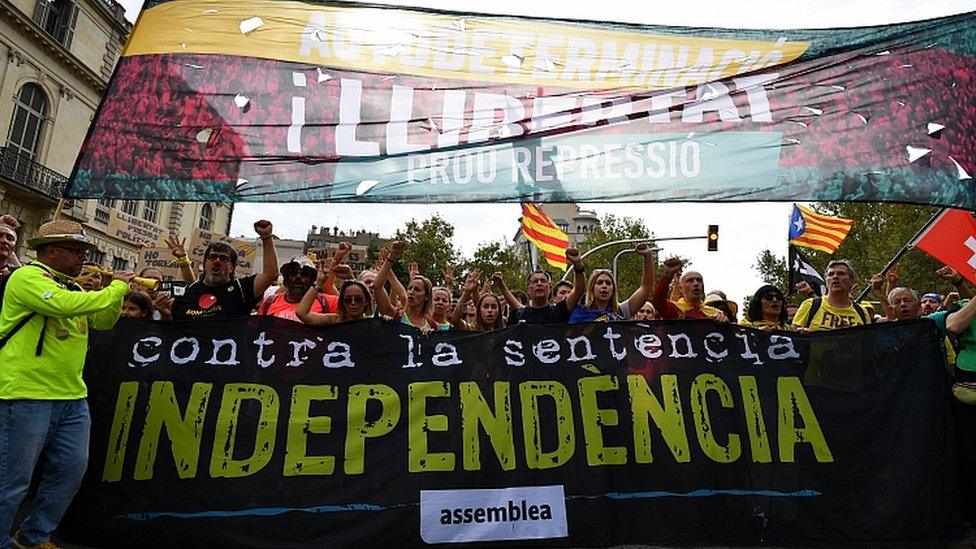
429 244
509 259
878 233
772 269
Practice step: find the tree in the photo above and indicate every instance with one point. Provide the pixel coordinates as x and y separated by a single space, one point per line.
879 231
772 269
430 245
507 258
630 266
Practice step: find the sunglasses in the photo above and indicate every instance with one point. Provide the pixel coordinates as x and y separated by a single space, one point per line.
219 257
353 299
77 251
773 297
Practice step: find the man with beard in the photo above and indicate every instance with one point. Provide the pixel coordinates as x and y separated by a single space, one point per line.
43 408
692 293
837 310
538 288
219 294
297 277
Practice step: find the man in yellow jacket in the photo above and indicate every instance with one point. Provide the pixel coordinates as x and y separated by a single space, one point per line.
44 324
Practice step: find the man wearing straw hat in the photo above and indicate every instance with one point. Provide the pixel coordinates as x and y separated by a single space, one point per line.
44 325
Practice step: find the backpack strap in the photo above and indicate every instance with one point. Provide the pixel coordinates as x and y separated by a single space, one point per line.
23 322
860 312
814 307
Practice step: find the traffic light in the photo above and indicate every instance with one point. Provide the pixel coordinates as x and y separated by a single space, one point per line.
713 238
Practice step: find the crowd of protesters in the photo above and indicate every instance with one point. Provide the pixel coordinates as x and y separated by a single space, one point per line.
47 306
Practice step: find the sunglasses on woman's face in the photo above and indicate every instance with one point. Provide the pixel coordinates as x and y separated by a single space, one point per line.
773 297
354 299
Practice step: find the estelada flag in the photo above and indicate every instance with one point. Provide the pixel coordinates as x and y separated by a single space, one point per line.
541 231
817 231
951 239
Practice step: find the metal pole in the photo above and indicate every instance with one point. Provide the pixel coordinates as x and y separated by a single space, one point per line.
904 249
633 241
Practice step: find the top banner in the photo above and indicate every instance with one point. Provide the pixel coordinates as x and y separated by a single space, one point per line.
302 101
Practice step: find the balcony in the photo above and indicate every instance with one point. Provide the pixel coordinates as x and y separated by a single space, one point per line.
26 172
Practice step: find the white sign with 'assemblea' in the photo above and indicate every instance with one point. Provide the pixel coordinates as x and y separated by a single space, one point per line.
528 512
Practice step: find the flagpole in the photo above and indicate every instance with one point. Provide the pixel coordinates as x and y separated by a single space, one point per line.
908 246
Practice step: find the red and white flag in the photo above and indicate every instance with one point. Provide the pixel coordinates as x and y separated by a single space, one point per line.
952 240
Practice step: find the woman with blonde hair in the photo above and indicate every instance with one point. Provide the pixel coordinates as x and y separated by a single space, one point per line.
354 303
601 293
419 300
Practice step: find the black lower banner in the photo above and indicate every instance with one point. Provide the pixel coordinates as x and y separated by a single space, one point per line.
261 432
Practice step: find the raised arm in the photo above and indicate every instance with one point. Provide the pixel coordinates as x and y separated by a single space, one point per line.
639 297
304 310
579 278
178 249
328 286
382 298
269 257
878 291
471 284
499 281
958 321
953 277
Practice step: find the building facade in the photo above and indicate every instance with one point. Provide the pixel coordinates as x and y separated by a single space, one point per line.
575 222
57 58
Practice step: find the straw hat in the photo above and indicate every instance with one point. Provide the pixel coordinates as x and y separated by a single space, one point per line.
716 298
60 231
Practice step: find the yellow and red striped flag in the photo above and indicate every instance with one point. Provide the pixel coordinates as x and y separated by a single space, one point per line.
541 231
817 231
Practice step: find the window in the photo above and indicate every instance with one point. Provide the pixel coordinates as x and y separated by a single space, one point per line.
107 202
27 124
101 216
206 217
96 257
119 263
130 206
150 211
58 19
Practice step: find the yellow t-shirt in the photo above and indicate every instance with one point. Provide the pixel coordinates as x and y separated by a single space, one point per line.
827 317
761 324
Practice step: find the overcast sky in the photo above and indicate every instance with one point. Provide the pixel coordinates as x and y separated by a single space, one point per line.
745 229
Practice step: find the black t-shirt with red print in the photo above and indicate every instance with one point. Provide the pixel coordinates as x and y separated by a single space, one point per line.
236 298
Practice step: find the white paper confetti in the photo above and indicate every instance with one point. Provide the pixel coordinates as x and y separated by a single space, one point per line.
934 128
182 45
512 60
711 92
241 182
298 79
914 153
886 52
863 118
798 123
323 76
203 136
551 64
792 141
460 24
210 10
816 112
192 66
960 171
250 25
241 101
365 185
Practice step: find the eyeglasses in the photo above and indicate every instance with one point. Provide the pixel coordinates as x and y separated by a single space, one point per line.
353 299
80 252
773 297
219 257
